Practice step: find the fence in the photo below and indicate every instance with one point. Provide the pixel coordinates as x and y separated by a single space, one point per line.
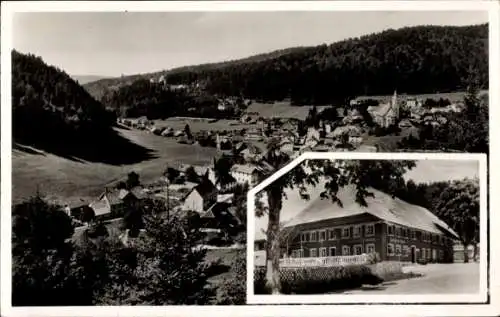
325 261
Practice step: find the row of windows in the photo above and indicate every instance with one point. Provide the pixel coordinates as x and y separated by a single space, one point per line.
397 231
404 250
332 251
331 234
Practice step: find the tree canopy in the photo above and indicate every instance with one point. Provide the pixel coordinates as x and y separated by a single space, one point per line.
412 59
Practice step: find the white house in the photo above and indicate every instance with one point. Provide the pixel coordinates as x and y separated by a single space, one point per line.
201 197
245 173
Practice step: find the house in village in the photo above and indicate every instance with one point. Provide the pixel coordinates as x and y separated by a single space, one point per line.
254 134
386 114
201 197
395 229
312 137
353 132
250 117
113 203
254 152
412 103
249 173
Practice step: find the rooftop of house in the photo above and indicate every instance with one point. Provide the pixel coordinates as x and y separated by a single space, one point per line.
244 168
382 206
205 188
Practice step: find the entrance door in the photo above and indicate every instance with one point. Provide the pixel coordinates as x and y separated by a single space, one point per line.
413 254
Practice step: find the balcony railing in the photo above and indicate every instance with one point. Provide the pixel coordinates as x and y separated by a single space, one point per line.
325 261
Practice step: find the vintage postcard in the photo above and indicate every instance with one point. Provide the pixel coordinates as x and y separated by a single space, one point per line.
134 132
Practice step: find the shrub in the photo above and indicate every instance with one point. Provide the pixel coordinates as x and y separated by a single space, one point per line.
233 289
311 280
387 270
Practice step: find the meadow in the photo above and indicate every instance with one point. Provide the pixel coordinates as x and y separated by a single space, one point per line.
69 181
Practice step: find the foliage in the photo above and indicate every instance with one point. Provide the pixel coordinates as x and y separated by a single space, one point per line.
41 257
161 266
234 289
170 269
47 104
191 175
458 205
132 180
411 59
222 169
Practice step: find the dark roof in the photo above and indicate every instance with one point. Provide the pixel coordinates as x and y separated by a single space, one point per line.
205 188
220 216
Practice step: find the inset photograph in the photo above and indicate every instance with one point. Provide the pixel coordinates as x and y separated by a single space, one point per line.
370 227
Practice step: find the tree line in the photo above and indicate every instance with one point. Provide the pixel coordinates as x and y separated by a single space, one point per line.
422 59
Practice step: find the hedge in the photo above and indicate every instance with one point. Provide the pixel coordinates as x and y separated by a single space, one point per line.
323 279
314 280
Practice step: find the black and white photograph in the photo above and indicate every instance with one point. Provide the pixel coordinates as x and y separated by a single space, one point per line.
364 227
144 144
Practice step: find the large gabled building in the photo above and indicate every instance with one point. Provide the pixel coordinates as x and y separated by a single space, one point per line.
395 229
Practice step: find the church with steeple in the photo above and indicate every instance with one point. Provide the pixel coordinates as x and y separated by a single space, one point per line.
386 114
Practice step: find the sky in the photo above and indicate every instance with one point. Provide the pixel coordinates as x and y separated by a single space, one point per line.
116 43
424 171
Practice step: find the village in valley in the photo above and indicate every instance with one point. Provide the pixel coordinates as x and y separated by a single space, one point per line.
242 145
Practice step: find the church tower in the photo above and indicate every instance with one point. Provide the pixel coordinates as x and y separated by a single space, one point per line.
395 104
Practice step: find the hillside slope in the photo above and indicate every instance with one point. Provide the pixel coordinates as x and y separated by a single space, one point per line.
422 59
51 112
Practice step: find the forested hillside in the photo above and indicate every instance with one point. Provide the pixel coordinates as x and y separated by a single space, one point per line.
423 59
50 111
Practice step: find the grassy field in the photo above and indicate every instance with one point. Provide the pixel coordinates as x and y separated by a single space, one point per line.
281 110
199 125
71 181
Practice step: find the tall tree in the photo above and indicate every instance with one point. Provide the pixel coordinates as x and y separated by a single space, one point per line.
132 180
458 205
363 174
168 267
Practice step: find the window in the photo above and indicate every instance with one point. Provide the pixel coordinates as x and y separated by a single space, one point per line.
322 252
405 232
398 249
303 237
370 230
441 239
322 235
358 249
333 251
370 248
406 250
314 236
441 255
331 234
390 230
390 249
312 253
413 235
346 250
356 232
346 232
398 231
